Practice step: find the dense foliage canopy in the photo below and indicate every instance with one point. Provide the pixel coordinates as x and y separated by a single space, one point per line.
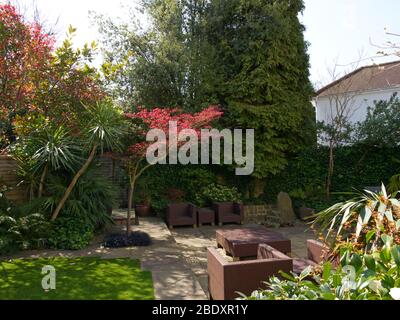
248 56
39 80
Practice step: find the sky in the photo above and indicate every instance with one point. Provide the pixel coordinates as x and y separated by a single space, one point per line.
343 31
340 32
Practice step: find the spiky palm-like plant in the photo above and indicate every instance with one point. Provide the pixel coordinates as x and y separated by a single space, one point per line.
101 127
362 221
45 149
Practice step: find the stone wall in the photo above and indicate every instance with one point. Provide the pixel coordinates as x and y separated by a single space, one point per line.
8 177
262 214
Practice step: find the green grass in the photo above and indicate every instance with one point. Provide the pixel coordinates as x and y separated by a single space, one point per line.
76 279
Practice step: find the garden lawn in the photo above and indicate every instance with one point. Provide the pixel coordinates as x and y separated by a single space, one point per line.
76 279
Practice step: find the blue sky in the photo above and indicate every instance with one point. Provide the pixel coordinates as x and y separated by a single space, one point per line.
338 30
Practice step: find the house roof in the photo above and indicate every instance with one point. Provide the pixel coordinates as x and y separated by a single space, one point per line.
368 78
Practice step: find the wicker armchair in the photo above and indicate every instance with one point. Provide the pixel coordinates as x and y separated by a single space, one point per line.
317 253
226 279
229 212
181 214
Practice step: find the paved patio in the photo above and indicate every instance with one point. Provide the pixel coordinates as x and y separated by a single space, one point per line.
193 244
177 259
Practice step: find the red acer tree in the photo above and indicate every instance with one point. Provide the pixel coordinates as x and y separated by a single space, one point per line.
145 120
25 55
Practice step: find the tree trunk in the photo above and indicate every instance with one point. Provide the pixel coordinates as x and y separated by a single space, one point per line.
73 183
31 192
130 203
330 173
133 178
42 181
137 222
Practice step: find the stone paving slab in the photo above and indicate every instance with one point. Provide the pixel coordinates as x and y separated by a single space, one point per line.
180 283
194 244
173 278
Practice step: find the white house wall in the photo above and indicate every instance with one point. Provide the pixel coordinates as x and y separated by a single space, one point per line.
359 105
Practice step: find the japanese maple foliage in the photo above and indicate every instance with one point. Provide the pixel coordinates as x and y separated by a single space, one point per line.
161 118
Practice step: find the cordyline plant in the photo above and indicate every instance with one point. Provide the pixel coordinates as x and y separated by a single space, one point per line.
101 127
144 120
46 148
361 222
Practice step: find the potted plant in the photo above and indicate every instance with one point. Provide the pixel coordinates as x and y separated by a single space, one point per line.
142 206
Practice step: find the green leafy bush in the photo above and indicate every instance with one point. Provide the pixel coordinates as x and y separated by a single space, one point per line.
359 277
5 204
19 231
365 234
69 233
159 206
381 126
23 232
90 200
217 193
87 209
158 181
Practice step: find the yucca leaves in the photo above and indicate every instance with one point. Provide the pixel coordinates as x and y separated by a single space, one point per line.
357 214
363 219
103 125
57 148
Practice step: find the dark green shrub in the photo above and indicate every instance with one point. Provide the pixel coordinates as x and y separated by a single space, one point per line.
70 233
355 169
194 179
20 231
5 204
217 193
89 201
159 206
158 182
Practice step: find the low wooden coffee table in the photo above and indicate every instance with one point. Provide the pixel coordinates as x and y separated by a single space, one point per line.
243 242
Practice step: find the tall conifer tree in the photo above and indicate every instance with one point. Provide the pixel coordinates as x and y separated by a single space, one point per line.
259 70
